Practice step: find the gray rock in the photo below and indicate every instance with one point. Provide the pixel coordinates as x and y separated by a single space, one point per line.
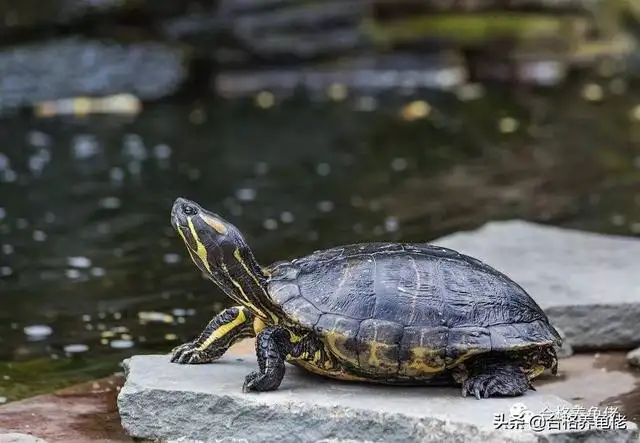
565 350
14 437
162 400
40 71
587 283
633 358
29 14
28 17
364 74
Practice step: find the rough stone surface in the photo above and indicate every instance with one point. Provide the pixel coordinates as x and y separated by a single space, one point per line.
565 350
587 283
168 401
633 358
19 438
40 71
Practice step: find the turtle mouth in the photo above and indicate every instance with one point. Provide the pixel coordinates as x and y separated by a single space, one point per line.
181 211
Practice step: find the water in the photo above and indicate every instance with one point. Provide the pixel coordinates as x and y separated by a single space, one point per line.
91 271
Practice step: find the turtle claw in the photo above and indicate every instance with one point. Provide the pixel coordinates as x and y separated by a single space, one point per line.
249 381
188 354
257 381
499 381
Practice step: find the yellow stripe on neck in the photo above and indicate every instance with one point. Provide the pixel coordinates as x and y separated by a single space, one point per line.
238 257
200 249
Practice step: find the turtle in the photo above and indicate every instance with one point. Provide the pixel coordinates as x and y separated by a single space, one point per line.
391 313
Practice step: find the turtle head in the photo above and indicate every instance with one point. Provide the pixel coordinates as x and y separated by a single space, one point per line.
220 251
209 238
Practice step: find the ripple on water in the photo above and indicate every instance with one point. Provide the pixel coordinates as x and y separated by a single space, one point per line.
79 262
323 169
121 344
286 217
37 332
391 224
171 258
154 317
399 164
76 348
110 203
84 146
270 224
325 206
39 236
162 152
246 194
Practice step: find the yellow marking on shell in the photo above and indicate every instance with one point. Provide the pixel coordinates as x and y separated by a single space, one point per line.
373 348
419 356
337 374
258 325
223 330
218 226
201 251
331 340
238 257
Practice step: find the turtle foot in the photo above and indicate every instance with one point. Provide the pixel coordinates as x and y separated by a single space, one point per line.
258 382
498 380
189 354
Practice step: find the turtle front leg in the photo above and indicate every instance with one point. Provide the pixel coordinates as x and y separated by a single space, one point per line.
492 378
225 329
275 345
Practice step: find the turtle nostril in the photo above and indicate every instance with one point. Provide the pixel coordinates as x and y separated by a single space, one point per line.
189 210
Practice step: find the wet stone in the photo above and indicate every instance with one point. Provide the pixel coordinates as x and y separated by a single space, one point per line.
166 401
37 72
566 350
633 358
587 283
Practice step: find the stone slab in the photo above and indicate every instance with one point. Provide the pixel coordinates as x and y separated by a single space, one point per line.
39 71
587 283
634 358
166 401
14 437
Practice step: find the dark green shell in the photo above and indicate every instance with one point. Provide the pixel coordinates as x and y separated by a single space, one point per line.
405 298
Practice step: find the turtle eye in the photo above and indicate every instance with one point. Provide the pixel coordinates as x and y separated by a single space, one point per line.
188 209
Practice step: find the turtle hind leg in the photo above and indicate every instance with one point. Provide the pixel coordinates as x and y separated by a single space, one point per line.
492 378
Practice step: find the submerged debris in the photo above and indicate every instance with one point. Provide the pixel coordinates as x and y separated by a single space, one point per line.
126 104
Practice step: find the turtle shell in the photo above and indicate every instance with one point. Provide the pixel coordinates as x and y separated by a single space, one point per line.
407 309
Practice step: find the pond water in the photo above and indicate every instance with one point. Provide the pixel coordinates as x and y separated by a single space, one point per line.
91 271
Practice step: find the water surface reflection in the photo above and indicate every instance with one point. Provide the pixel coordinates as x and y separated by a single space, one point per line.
89 265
